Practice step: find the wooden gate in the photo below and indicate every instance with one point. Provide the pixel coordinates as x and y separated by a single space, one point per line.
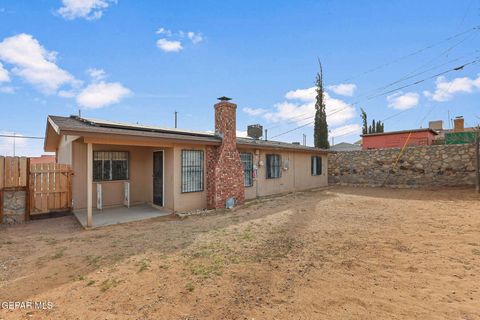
50 188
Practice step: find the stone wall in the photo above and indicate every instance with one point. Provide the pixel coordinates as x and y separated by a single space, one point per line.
14 206
422 166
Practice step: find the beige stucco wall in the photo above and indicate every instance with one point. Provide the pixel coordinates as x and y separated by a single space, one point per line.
140 176
190 200
64 150
297 177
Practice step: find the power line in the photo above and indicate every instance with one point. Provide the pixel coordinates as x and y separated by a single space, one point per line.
381 66
385 93
20 137
406 77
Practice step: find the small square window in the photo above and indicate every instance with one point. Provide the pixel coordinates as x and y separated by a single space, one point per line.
274 166
110 166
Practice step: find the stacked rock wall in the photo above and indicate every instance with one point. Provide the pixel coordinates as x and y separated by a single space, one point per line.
423 166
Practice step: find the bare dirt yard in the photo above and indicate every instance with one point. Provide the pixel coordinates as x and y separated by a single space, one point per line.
341 253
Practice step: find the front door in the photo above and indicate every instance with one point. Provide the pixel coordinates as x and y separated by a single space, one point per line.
158 178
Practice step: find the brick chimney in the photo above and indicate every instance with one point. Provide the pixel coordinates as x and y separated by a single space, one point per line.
458 124
224 167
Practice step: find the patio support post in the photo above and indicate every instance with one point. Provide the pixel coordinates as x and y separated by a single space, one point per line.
89 184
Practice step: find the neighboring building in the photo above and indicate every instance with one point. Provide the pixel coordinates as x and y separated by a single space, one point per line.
177 169
44 158
458 135
345 146
397 139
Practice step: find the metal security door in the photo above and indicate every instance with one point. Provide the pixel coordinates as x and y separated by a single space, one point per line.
158 178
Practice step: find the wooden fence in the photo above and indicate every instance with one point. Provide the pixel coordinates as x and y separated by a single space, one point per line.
13 172
48 186
14 175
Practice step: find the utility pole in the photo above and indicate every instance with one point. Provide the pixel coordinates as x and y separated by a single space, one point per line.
176 119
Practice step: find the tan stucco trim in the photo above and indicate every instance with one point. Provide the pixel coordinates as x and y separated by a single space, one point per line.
52 137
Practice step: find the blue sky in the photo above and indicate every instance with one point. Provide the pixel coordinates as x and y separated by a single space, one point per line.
139 61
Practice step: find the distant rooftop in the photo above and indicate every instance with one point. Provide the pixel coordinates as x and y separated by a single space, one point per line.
399 132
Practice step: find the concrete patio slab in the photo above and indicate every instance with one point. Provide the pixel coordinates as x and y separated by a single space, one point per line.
111 216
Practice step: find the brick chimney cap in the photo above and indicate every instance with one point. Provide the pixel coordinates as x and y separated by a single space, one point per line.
223 98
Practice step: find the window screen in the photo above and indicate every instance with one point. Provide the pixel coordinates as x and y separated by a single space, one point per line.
273 166
192 170
316 165
247 160
109 166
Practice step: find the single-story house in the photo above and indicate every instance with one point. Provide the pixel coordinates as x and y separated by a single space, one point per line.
397 139
178 170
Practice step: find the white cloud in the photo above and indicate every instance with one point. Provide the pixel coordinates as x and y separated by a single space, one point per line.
87 9
32 62
164 31
254 111
445 90
242 134
7 89
96 74
195 37
4 76
343 89
303 111
173 41
346 130
302 94
23 147
403 101
102 94
169 45
6 144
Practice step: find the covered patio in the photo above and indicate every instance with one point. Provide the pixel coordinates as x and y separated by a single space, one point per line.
116 215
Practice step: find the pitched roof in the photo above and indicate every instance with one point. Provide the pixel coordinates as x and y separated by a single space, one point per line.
248 142
77 126
74 124
399 132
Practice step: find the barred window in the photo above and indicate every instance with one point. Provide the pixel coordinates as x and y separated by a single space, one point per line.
192 170
316 165
273 166
247 160
110 165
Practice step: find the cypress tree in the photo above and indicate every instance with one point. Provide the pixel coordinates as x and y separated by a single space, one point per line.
364 121
320 131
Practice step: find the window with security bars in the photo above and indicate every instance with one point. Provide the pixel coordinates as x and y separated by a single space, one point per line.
110 165
247 160
316 165
192 170
274 166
